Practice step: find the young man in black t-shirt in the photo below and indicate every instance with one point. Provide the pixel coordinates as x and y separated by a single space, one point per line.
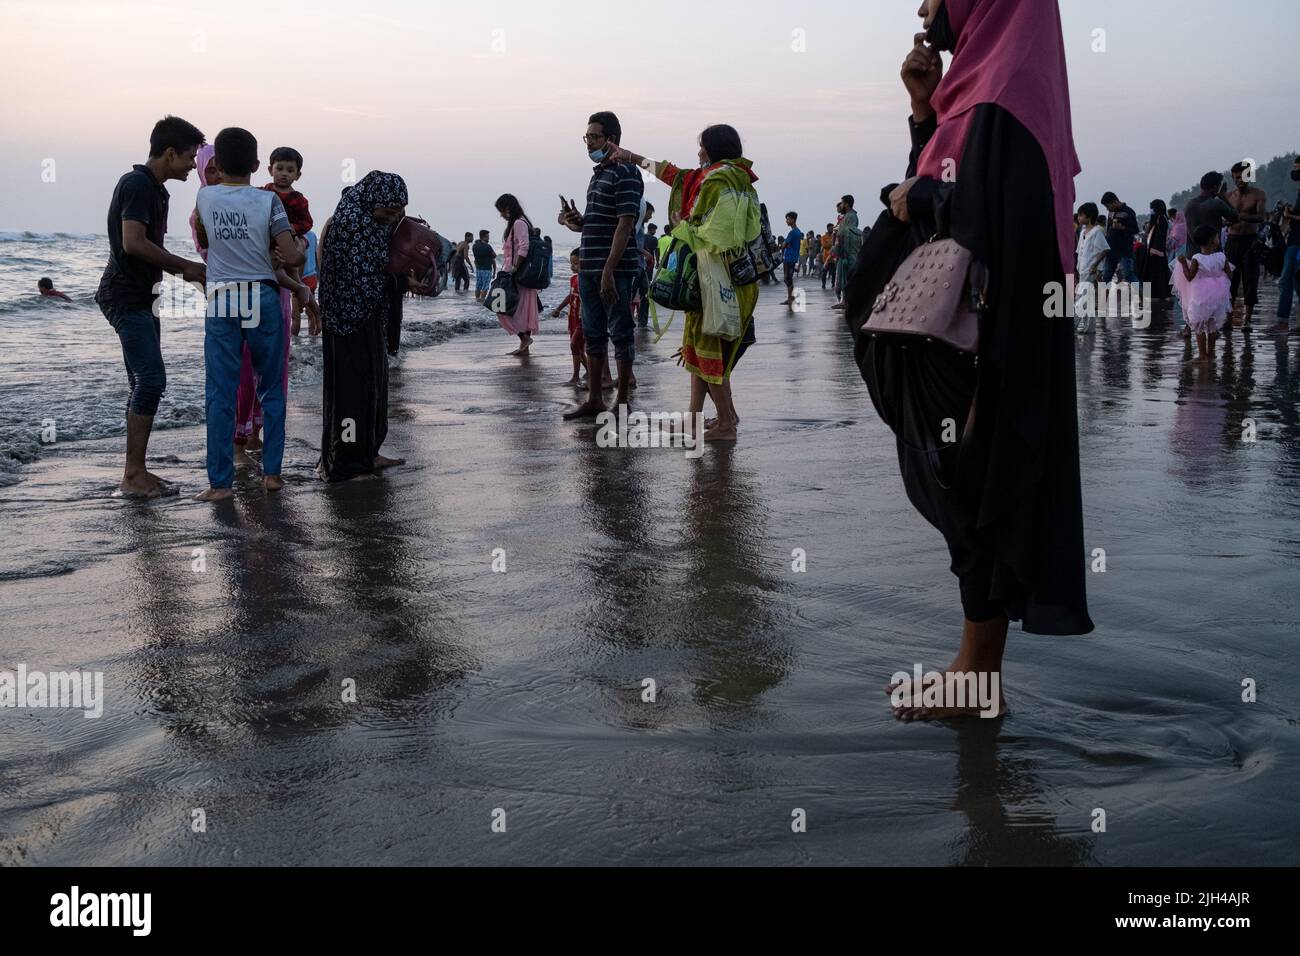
1121 230
128 291
485 264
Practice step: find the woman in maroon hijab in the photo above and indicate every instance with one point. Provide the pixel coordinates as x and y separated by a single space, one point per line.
992 159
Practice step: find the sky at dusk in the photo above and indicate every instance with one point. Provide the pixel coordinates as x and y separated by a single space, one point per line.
470 100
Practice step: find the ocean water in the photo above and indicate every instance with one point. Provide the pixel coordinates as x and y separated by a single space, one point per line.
60 361
523 690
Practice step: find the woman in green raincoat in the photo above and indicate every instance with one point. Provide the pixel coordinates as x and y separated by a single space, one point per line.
714 209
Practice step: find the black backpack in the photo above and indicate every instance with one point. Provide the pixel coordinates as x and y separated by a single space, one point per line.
531 271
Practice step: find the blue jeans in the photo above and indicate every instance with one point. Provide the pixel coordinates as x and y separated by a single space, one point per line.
1124 266
223 351
600 324
140 333
1286 285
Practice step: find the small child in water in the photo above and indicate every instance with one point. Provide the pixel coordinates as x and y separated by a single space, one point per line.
47 290
1204 288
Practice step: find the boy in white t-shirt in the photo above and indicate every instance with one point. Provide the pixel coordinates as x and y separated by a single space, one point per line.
1090 257
239 224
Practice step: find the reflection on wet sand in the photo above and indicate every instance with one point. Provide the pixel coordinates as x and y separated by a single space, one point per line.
742 648
990 779
524 689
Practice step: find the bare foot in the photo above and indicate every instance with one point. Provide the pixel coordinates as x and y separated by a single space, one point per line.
587 409
214 494
382 462
254 442
145 486
720 434
241 458
272 482
573 381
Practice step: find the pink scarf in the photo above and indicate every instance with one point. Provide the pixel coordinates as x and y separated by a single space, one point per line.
205 153
1010 52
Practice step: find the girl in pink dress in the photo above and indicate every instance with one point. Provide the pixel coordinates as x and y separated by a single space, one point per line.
1204 288
523 321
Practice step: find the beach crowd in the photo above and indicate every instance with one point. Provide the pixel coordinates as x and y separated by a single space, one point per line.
943 296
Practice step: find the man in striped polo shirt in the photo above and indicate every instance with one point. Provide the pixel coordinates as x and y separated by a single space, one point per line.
610 261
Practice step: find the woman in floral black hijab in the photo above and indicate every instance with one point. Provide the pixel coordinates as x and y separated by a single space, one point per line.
358 298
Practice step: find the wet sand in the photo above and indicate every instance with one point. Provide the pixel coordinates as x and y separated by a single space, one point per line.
522 690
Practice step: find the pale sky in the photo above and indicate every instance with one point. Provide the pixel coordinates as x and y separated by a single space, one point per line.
470 100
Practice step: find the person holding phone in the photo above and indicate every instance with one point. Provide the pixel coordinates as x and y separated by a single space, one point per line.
610 260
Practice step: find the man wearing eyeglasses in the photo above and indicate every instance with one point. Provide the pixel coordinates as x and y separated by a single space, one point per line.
610 261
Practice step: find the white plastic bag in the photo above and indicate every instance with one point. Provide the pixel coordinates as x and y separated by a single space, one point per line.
721 307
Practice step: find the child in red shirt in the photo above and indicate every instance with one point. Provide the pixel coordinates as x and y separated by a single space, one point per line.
577 343
286 169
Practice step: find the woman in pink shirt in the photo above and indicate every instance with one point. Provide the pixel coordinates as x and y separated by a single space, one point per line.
523 321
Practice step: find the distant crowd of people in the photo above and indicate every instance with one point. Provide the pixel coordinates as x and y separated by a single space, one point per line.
1209 254
831 255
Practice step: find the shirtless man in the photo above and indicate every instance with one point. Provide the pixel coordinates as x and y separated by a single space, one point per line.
460 261
1242 250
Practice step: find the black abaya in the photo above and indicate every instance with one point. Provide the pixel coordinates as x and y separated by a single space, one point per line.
1006 495
354 419
1155 271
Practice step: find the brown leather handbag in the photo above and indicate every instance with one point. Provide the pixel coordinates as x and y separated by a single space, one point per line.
938 294
413 246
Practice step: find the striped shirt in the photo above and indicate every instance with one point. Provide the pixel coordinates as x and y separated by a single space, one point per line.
614 191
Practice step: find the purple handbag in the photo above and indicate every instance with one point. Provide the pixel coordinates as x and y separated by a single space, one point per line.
937 293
